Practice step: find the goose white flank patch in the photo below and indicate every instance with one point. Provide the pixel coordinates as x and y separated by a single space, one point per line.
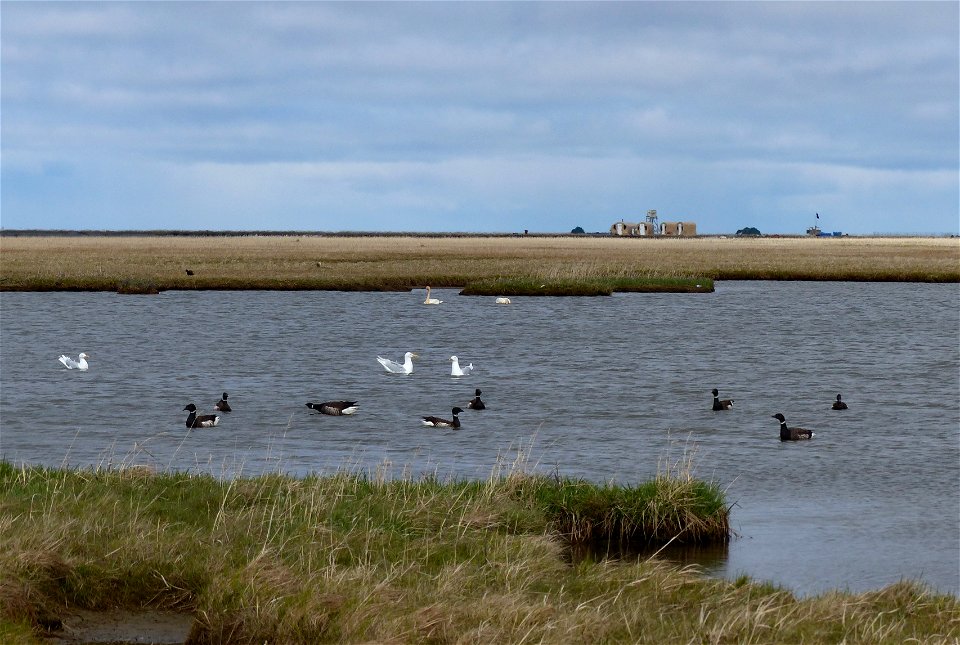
475 403
792 434
456 370
222 405
437 422
71 364
398 368
502 300
334 408
431 301
720 404
200 421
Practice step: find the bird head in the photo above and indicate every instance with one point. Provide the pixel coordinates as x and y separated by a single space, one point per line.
191 407
779 417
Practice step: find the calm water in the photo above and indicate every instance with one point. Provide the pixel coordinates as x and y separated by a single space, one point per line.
602 388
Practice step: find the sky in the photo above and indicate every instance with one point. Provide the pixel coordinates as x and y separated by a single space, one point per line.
480 117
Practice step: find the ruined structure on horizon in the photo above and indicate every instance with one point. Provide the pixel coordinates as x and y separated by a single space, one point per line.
651 227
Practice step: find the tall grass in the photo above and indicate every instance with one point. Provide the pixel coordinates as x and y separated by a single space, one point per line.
398 263
349 558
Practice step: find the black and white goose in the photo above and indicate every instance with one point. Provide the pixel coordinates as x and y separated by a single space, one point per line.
792 434
838 404
222 405
200 421
437 422
720 404
334 408
475 403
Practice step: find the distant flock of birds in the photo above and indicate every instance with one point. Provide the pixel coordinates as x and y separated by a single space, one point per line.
332 408
340 408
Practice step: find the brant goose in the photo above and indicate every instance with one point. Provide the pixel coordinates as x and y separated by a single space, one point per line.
222 405
456 370
202 421
838 404
475 403
502 300
792 434
189 272
334 408
437 422
71 364
720 404
396 368
431 301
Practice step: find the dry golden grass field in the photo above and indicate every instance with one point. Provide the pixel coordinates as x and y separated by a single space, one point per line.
397 263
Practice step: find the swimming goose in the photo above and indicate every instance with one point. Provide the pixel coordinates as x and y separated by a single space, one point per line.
334 408
502 300
475 403
396 368
222 405
202 421
431 301
792 434
720 404
71 364
838 404
456 370
437 422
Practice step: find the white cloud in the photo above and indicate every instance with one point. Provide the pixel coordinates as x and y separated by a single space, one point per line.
433 111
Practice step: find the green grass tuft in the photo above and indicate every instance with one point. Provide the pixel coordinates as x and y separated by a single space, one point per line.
350 558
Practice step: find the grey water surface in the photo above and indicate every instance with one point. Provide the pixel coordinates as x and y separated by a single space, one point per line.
608 389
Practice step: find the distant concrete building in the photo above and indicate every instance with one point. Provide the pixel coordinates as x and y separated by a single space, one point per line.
630 229
653 227
669 229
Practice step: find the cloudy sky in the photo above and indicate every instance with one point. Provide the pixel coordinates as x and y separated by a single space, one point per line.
488 117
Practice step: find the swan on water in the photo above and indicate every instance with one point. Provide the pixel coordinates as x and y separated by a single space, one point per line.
71 364
503 300
397 368
429 300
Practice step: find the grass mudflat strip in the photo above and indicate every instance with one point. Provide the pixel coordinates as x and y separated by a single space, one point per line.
348 558
146 264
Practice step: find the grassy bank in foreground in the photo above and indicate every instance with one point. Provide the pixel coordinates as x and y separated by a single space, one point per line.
347 558
143 264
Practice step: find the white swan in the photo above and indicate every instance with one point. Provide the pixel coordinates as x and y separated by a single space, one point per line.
396 368
429 300
456 370
71 364
502 300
